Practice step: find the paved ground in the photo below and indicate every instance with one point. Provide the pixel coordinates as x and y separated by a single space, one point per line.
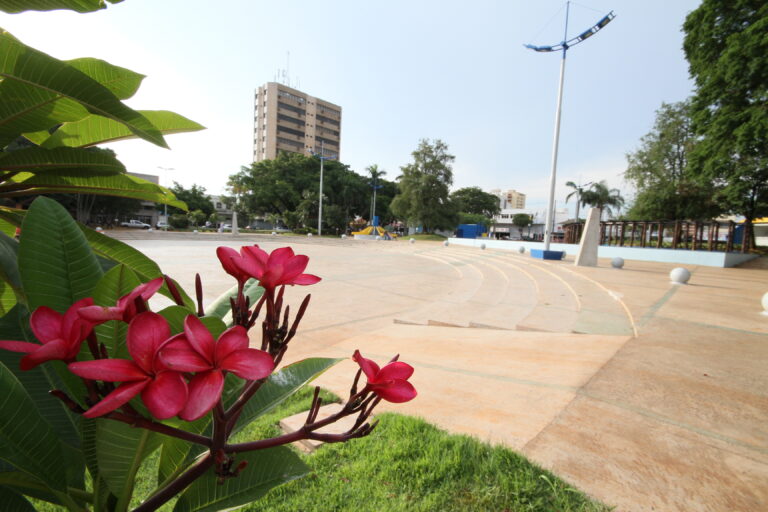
646 395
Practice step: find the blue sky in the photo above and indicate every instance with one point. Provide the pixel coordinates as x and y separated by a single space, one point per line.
401 70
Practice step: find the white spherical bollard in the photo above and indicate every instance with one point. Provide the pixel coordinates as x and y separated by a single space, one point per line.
521 249
309 235
765 304
445 244
482 247
343 236
150 229
194 231
412 240
378 238
679 275
617 262
274 233
98 228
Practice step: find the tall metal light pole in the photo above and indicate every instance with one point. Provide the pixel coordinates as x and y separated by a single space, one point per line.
563 45
165 205
320 209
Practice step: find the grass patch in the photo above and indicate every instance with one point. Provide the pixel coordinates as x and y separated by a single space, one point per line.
406 464
430 237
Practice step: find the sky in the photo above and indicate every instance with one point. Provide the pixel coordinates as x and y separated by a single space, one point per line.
401 70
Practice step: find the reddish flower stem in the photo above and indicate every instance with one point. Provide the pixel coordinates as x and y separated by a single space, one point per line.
176 486
174 290
199 295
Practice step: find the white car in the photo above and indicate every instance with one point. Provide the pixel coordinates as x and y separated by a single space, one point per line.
133 223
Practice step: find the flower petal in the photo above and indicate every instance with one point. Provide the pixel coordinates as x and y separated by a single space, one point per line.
228 256
305 279
204 391
184 360
19 346
249 364
100 314
120 396
56 350
253 261
199 337
149 288
46 324
146 333
280 256
109 370
293 267
370 368
396 370
73 327
397 391
234 338
165 395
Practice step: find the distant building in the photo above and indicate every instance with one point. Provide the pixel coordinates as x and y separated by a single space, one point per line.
511 199
148 210
222 209
504 228
286 119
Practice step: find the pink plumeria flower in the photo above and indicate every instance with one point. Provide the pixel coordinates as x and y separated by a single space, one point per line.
391 382
125 309
281 267
163 391
60 335
196 351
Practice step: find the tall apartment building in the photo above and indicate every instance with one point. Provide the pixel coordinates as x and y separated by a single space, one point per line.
286 119
511 199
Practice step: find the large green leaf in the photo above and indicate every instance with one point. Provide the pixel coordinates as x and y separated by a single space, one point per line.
175 453
27 109
177 314
56 264
26 440
266 469
120 252
94 130
7 298
118 281
50 5
27 485
121 185
282 384
61 161
9 268
120 449
28 66
13 502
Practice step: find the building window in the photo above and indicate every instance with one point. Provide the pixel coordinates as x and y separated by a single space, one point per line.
286 106
328 120
283 129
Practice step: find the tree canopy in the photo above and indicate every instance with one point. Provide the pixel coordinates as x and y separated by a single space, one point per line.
424 188
475 200
727 51
600 196
195 198
659 171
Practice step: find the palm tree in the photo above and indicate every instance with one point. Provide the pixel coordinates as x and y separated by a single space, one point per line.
375 174
603 198
578 191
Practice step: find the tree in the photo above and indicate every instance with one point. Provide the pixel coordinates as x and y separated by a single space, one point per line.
197 217
602 198
522 220
474 218
424 188
727 51
578 191
375 174
195 198
475 200
659 171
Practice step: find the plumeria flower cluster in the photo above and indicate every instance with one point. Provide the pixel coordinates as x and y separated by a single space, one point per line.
183 375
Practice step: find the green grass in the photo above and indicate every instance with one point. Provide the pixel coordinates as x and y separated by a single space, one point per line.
406 464
431 237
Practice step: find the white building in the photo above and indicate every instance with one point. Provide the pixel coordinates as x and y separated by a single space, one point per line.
504 228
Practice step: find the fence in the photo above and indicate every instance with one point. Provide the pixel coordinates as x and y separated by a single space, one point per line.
695 236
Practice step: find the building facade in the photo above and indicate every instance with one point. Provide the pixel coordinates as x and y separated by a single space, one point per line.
510 200
286 119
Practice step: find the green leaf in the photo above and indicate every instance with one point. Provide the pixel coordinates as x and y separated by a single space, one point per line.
61 161
42 72
120 449
94 130
122 82
7 298
118 281
27 440
14 6
266 469
56 264
27 485
121 185
175 315
282 384
120 252
9 268
13 502
175 452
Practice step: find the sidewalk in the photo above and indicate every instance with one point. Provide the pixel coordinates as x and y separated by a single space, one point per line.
646 395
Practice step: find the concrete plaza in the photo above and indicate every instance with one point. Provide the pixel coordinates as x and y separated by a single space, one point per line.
646 395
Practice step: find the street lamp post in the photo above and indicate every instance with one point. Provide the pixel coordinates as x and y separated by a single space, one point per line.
563 45
165 205
320 209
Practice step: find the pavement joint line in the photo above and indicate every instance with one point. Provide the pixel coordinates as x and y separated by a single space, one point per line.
669 421
710 326
657 305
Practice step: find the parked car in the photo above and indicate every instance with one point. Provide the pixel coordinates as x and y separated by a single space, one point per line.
133 223
163 225
226 227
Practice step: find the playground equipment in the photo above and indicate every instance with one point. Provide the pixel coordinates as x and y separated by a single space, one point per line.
371 232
